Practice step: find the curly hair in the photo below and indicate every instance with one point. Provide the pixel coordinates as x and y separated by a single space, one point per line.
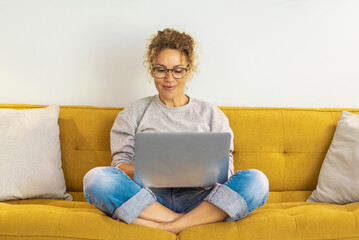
172 39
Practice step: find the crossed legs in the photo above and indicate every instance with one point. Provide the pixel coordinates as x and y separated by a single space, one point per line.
114 193
157 213
158 216
241 194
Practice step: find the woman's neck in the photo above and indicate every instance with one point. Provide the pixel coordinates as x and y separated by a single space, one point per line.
175 102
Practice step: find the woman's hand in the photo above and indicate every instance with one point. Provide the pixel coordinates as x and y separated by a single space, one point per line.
129 169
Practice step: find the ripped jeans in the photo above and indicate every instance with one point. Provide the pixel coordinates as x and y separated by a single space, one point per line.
113 192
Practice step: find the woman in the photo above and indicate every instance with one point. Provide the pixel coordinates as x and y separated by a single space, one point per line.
170 58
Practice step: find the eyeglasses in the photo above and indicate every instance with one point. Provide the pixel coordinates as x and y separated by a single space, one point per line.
177 72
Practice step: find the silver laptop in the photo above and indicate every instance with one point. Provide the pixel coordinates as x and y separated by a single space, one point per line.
181 159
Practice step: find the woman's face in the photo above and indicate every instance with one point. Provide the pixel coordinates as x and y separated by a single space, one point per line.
169 88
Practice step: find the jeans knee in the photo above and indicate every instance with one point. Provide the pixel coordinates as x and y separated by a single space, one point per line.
260 181
103 183
99 180
93 176
92 179
252 185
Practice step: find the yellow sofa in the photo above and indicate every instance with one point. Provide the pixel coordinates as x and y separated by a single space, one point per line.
287 144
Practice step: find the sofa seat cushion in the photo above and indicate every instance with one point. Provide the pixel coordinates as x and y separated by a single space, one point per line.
278 221
59 219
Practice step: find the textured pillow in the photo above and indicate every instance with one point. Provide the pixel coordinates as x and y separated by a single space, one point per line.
30 155
339 176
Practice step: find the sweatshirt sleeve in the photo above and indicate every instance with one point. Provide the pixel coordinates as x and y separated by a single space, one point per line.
122 141
220 123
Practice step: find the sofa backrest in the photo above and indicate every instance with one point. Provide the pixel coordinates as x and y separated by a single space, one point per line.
287 144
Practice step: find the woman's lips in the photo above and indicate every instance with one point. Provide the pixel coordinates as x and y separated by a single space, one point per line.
169 88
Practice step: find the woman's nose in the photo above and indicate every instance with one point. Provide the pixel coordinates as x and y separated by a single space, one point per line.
169 77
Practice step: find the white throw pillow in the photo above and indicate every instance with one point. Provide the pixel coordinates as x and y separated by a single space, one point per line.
339 176
30 155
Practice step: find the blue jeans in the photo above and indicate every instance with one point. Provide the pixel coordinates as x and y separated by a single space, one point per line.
114 193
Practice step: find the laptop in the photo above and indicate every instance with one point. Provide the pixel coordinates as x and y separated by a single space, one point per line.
178 160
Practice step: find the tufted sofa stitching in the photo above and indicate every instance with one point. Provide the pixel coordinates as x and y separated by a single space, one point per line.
299 233
355 215
236 236
85 150
285 149
59 221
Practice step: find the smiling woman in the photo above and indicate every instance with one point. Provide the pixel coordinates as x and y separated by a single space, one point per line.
170 59
171 51
171 87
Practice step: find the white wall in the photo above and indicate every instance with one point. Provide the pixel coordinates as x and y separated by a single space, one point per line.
293 53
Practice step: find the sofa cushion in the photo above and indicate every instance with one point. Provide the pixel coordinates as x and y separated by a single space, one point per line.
339 178
283 221
30 156
59 219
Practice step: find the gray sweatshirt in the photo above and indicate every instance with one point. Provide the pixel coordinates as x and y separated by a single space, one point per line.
150 114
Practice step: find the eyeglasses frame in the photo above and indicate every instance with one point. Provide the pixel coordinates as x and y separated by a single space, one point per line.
168 70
